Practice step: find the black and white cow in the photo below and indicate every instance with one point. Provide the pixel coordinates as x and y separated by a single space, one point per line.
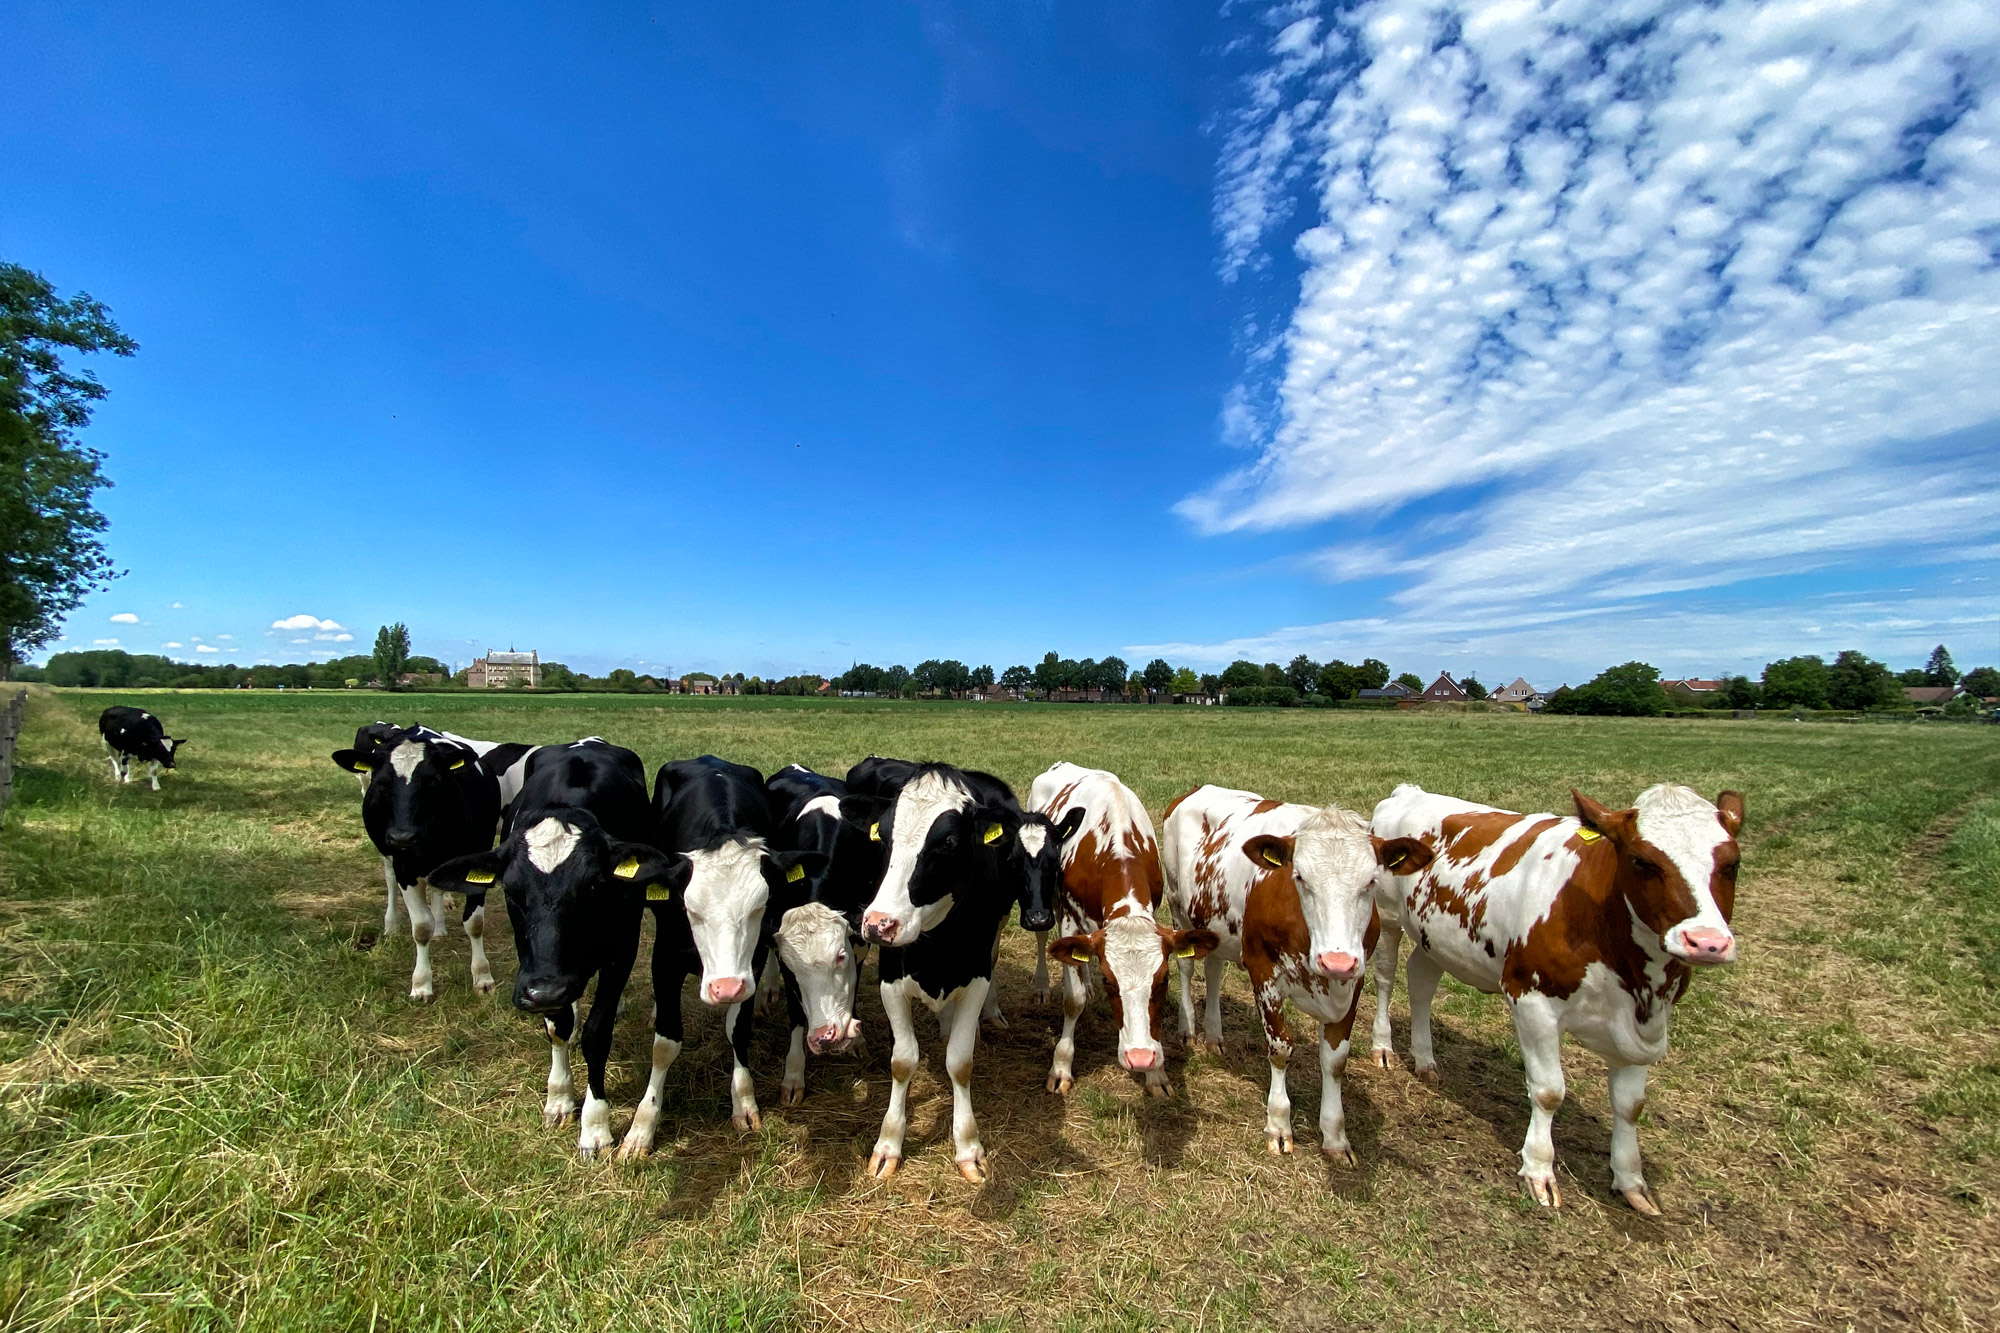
806 809
578 868
953 838
134 733
428 800
880 776
733 886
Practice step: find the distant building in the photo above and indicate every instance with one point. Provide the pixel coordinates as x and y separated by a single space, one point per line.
1694 689
497 671
1517 693
1444 690
1924 696
1394 692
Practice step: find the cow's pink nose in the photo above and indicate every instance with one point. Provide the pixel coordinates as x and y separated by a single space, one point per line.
1707 945
1339 966
729 990
879 927
831 1037
1140 1057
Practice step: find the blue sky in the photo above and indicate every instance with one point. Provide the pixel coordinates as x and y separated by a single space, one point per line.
1507 338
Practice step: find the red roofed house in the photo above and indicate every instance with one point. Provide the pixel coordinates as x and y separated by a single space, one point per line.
1443 690
1693 689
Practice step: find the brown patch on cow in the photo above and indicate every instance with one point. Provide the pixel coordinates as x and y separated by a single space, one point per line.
1588 923
1175 804
1265 806
1466 836
1517 849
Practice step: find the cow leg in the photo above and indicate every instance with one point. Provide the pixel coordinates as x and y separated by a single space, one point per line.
594 1125
417 900
888 1154
989 1011
1061 1072
1212 1017
768 986
156 775
668 974
793 1090
742 1088
1386 951
389 906
1041 967
560 1103
475 936
971 1156
1187 1000
1628 1174
1539 1030
1334 1044
1277 1043
1423 974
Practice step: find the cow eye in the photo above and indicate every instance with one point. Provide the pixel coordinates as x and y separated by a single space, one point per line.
840 958
1645 865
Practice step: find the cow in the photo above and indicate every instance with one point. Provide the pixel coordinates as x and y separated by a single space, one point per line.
428 800
578 868
1110 884
733 887
805 807
1290 892
1591 924
134 733
881 777
953 839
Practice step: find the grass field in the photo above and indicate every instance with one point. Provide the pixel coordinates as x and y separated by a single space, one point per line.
219 1110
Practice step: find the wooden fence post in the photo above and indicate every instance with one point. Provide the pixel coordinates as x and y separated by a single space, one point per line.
10 732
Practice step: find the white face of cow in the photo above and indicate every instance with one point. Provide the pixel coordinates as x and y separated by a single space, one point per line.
1334 864
1683 825
893 917
1134 953
814 947
725 897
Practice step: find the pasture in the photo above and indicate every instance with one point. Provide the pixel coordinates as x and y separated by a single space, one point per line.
218 1108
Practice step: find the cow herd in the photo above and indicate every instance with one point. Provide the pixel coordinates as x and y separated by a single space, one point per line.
1590 924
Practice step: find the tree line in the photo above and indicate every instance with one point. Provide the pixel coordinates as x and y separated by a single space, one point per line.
1853 681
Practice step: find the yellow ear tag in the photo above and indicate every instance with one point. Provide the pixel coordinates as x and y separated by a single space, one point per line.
1273 857
628 868
1588 834
1187 952
875 832
460 764
1080 957
993 832
658 893
1395 861
478 877
365 768
795 874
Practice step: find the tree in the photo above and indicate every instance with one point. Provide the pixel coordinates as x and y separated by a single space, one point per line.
392 653
555 676
1939 670
1111 674
895 680
1373 674
1336 681
1159 676
982 678
952 676
1210 683
924 675
1981 681
1185 682
1795 682
1017 678
1856 680
1741 692
1239 674
1409 679
1473 689
50 554
1302 673
1631 689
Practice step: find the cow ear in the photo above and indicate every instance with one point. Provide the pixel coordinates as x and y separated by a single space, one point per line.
1269 849
468 874
1071 822
1401 856
1193 943
1613 824
797 867
642 867
866 814
1729 809
1077 950
997 827
352 761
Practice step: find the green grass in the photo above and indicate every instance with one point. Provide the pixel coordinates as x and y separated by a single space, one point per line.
218 1110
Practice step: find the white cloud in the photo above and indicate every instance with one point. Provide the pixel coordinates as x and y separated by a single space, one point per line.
306 622
105 643
206 648
170 645
1650 297
124 618
177 606
342 637
225 636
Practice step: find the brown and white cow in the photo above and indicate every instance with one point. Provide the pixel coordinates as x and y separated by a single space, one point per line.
1590 925
1290 890
1110 883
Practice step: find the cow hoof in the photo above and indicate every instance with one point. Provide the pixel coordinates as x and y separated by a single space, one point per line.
1277 1141
1544 1190
1041 997
883 1163
792 1094
1213 1048
634 1148
1159 1088
1642 1200
1343 1155
1384 1057
993 1022
1428 1076
485 985
556 1114
422 994
973 1168
747 1120
1060 1084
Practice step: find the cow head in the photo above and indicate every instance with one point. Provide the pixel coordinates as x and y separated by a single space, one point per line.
817 950
1132 953
729 888
571 889
1037 865
406 783
940 841
169 748
1677 858
1333 859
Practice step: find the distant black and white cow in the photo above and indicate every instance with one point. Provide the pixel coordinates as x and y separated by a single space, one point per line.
133 733
428 800
578 868
953 838
806 809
